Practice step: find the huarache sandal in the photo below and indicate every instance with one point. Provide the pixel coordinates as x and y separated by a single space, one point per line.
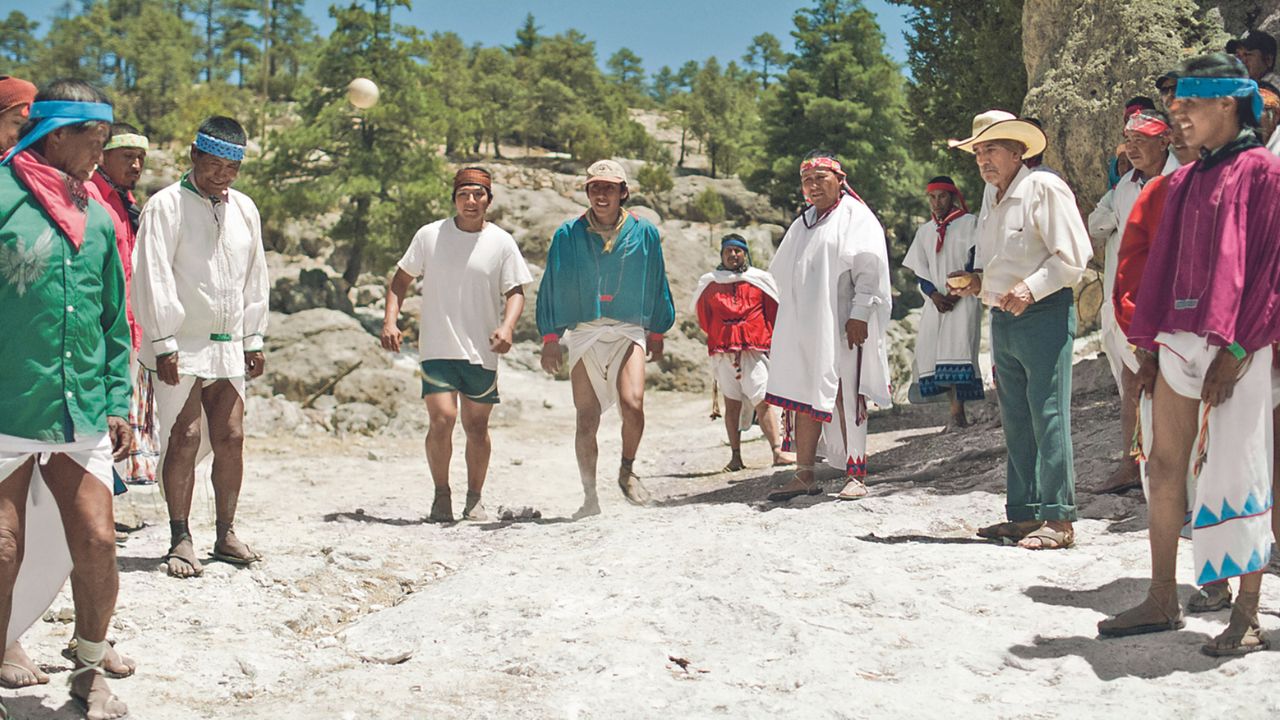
1211 597
855 489
1048 538
1012 530
797 486
1243 634
1150 616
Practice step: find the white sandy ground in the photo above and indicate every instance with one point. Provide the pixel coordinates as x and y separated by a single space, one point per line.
886 607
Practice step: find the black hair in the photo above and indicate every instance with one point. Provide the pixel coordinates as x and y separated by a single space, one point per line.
123 128
1141 101
1222 65
821 153
65 90
488 191
221 127
941 179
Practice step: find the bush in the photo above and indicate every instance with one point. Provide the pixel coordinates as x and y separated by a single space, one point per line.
655 178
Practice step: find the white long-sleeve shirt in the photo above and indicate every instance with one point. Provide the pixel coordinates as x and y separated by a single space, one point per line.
1033 235
200 285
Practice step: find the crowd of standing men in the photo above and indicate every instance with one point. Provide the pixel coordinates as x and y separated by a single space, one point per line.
132 331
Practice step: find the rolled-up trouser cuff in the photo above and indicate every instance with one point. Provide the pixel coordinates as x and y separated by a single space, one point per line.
1020 513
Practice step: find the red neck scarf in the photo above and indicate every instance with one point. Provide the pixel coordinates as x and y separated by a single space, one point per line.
952 216
63 197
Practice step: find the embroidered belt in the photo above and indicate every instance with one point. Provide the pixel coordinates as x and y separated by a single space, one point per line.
220 337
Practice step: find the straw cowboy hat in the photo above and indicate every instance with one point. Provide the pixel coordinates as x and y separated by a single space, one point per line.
1001 125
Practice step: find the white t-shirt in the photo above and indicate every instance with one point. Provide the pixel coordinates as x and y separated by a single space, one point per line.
465 276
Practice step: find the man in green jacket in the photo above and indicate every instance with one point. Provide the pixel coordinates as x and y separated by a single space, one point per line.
64 392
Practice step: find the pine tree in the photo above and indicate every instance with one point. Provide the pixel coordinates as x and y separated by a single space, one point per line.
18 42
765 52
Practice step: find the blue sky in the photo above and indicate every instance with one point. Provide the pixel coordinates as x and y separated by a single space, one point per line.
661 32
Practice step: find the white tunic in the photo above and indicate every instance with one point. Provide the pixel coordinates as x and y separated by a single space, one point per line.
835 271
951 338
1107 222
200 284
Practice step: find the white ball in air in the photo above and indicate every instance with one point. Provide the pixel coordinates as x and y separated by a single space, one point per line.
362 93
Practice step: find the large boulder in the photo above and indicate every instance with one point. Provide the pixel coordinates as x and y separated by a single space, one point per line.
310 351
740 204
301 283
532 216
385 389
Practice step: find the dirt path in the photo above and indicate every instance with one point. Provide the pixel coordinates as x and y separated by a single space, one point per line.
816 609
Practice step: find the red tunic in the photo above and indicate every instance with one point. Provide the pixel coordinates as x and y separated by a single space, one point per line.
737 316
125 239
1135 244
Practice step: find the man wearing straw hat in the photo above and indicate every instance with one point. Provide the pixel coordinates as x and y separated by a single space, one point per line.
1032 249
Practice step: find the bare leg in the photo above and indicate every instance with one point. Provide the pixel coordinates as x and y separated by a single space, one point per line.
224 409
732 411
475 423
13 510
767 416
808 432
442 414
588 423
958 418
1174 430
631 408
1126 477
85 506
179 477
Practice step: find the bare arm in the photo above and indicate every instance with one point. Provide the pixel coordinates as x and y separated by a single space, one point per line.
501 339
396 289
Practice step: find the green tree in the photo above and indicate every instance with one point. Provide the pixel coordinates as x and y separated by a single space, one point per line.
379 166
627 72
961 66
527 37
18 42
663 85
765 53
843 94
722 114
496 90
655 178
288 42
448 79
708 207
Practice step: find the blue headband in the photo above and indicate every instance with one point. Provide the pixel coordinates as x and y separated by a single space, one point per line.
220 148
53 114
1216 87
734 242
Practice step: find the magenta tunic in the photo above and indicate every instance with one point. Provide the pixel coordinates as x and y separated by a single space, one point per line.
1214 268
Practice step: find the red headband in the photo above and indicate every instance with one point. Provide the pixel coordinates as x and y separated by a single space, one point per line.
472 176
949 187
1148 125
823 162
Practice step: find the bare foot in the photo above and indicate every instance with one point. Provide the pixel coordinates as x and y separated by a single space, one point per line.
231 549
18 671
735 463
782 459
182 560
116 665
90 690
441 508
1126 477
590 506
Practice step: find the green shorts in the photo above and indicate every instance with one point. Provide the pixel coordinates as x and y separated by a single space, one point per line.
475 382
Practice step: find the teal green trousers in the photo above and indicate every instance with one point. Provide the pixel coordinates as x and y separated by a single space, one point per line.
1032 357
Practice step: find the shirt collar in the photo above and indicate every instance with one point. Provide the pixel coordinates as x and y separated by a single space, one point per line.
189 184
1247 139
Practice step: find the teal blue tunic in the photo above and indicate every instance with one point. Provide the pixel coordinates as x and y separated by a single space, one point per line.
583 283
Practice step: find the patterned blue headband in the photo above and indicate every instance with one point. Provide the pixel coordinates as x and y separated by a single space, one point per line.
54 114
219 148
1216 87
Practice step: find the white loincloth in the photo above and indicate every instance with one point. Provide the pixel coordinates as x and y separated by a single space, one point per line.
601 345
1229 503
169 401
742 375
46 562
